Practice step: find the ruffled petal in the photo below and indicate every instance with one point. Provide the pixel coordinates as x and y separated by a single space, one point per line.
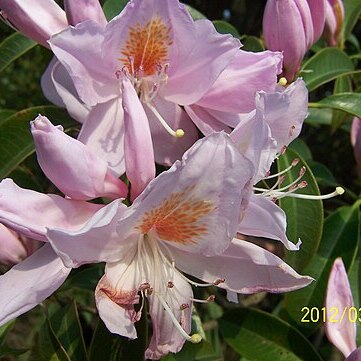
245 268
263 218
138 146
30 282
188 206
79 49
103 133
284 111
253 139
38 211
339 297
71 166
59 89
237 85
97 241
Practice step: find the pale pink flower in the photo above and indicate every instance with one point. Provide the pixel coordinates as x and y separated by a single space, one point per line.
184 221
335 14
341 333
356 142
150 59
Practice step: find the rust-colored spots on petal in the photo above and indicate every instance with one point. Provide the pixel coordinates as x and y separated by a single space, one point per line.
147 46
122 298
179 218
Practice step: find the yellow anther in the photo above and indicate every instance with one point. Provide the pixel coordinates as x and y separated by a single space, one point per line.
179 133
282 81
196 338
340 190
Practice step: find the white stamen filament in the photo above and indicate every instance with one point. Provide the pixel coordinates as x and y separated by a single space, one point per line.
195 338
338 191
294 163
179 133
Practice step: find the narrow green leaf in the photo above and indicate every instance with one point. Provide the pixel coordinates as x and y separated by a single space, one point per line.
65 325
347 102
304 217
225 28
352 14
324 66
260 336
342 85
340 239
6 113
16 142
112 8
13 47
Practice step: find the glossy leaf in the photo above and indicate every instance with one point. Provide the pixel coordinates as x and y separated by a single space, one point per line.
112 347
195 14
352 14
13 47
16 142
347 102
112 8
304 217
340 239
225 28
260 336
6 113
342 85
324 66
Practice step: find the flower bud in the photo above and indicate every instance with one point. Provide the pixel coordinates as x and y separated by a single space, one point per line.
334 20
38 20
292 27
81 10
356 142
13 247
71 166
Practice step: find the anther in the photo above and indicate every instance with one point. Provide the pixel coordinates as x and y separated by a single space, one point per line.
211 298
219 281
195 338
292 131
295 162
302 171
302 184
282 81
144 286
184 306
170 284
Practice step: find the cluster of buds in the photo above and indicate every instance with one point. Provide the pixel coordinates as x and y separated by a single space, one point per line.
294 26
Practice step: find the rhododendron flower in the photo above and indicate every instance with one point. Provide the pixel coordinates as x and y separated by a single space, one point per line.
342 333
292 27
80 175
150 59
14 247
184 221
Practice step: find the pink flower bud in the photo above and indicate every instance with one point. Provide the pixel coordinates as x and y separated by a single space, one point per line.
292 27
81 10
334 20
71 166
13 247
38 20
356 142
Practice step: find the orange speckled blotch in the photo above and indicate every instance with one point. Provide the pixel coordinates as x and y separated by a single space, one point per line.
147 45
178 218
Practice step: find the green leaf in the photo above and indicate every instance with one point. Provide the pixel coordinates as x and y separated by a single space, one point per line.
16 142
259 336
112 8
252 43
324 66
347 102
12 48
65 325
304 217
225 28
342 85
195 14
111 347
6 113
340 239
352 14
301 148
